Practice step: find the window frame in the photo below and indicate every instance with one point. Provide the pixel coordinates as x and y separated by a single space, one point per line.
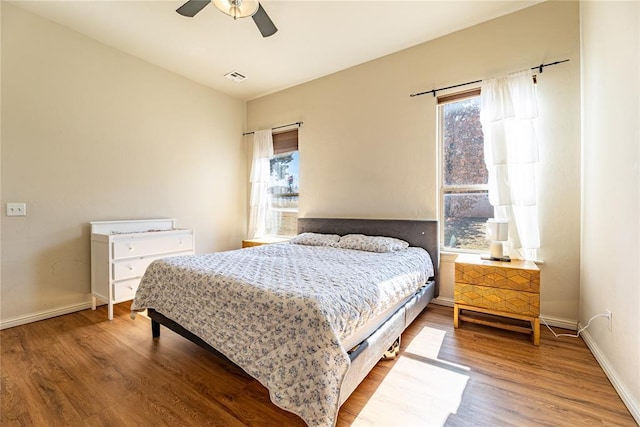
444 189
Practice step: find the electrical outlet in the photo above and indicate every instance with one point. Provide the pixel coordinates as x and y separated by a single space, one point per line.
610 317
16 209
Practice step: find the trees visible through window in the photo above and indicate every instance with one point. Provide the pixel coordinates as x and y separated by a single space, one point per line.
284 185
464 197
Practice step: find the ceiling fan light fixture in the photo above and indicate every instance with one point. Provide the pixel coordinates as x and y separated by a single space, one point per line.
237 8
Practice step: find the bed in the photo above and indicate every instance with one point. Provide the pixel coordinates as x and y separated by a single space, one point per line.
310 344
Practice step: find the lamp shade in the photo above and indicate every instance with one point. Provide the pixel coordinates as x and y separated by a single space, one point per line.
497 230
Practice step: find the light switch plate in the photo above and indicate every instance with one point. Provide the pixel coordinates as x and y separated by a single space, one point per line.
16 209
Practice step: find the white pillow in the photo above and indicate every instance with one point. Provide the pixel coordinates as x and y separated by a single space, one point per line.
362 242
315 239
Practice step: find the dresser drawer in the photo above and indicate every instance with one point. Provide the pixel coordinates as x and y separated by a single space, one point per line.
130 268
135 246
125 290
497 299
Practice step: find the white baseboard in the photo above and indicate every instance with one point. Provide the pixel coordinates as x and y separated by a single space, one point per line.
558 322
43 315
447 302
618 384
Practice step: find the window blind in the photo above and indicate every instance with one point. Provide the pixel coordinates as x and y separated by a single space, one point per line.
285 142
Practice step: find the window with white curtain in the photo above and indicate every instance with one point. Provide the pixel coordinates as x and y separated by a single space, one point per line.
509 112
488 159
284 185
464 189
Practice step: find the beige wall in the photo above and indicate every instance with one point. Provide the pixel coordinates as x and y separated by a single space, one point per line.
90 133
610 267
369 150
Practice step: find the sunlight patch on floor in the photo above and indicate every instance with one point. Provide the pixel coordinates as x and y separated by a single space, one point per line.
400 400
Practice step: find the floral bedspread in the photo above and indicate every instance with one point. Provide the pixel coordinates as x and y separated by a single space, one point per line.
280 311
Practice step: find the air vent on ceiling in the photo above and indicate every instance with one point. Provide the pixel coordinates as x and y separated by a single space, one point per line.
235 76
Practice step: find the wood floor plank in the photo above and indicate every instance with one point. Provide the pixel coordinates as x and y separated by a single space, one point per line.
81 369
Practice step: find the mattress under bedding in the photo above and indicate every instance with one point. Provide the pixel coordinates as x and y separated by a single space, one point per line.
284 312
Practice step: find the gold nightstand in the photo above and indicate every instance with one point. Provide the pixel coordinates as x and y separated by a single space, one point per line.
506 289
263 241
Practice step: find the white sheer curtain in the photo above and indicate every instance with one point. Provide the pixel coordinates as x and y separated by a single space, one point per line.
260 171
508 110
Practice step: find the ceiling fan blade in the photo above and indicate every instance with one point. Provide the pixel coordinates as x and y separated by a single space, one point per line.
192 7
263 22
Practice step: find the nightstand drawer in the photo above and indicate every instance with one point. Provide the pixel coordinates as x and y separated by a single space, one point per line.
497 299
514 276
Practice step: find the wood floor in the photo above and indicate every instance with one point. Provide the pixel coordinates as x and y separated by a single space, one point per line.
83 370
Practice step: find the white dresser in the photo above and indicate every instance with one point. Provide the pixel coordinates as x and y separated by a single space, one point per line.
121 251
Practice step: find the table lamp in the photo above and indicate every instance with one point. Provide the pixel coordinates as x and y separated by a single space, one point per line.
497 232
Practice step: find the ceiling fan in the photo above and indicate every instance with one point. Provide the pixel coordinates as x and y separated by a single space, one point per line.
236 9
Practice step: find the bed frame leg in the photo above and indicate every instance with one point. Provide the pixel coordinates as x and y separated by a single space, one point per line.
393 351
155 329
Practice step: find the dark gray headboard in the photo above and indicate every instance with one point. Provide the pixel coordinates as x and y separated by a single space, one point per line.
421 233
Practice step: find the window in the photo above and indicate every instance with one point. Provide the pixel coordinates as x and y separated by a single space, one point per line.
284 185
464 192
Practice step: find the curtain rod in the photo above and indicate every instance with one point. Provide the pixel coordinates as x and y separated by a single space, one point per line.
277 127
434 91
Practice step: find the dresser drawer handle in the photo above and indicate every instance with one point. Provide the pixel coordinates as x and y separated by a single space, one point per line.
131 268
130 248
